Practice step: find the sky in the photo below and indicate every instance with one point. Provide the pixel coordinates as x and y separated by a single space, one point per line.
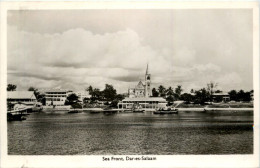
72 49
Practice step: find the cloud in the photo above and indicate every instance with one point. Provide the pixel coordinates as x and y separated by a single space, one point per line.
78 57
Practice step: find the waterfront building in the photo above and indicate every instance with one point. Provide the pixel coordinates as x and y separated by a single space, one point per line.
56 97
149 103
141 96
224 97
21 97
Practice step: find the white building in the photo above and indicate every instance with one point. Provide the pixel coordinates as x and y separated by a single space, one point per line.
82 95
56 97
146 103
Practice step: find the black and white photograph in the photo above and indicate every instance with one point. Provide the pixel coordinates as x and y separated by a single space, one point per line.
130 84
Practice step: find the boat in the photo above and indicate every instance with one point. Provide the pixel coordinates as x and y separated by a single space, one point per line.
18 113
166 111
127 110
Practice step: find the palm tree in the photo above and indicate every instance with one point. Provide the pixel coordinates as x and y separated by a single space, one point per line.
178 91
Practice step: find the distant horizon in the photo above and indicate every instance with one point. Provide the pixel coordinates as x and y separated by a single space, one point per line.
188 47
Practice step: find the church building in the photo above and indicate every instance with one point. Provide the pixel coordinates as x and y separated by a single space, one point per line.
142 90
141 95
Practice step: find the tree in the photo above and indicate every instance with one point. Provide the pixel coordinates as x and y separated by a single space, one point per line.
202 96
11 87
243 96
71 99
96 94
90 90
233 95
178 91
240 95
211 87
170 94
155 93
118 98
186 97
162 91
109 92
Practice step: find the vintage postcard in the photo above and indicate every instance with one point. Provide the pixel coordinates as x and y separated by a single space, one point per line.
129 84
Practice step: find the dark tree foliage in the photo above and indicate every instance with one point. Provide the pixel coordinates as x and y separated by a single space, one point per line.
118 98
96 95
240 95
155 93
90 90
162 91
187 97
11 87
71 99
170 98
170 95
233 95
109 93
178 91
201 96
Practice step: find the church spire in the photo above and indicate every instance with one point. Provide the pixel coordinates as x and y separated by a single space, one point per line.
147 69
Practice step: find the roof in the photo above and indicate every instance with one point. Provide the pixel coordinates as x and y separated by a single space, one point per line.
220 94
159 99
140 85
21 95
55 90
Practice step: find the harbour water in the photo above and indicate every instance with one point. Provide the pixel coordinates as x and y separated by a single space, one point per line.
60 133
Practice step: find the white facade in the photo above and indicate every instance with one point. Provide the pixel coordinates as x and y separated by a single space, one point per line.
150 103
82 95
56 97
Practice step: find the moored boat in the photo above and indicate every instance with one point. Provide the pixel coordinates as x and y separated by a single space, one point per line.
166 111
18 114
138 111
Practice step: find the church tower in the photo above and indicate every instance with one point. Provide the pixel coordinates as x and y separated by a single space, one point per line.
147 83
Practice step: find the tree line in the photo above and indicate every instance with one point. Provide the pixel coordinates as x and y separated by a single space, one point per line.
109 94
199 96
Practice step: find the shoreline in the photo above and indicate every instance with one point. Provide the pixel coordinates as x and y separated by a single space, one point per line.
215 109
151 110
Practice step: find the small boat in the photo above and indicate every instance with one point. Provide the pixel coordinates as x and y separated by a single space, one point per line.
166 111
128 111
138 110
17 115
